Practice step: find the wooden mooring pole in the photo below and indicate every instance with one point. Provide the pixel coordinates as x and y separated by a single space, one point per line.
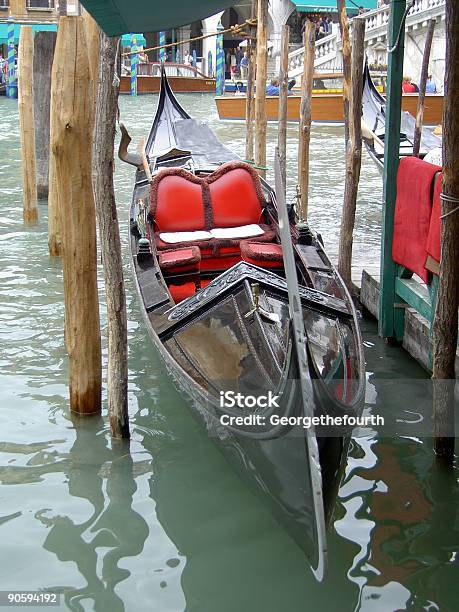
260 98
26 123
353 155
72 137
346 53
250 102
305 120
110 243
44 43
283 101
446 314
422 87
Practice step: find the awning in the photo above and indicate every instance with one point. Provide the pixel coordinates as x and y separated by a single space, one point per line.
116 17
126 40
329 6
38 27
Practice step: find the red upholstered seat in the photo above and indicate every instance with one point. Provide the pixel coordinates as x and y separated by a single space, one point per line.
181 260
236 196
433 238
412 214
266 255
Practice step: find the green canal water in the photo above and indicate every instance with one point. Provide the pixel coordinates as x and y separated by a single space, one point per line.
165 524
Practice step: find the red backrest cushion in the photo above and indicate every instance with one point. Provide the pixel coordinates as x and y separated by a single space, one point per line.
412 214
234 199
179 205
433 239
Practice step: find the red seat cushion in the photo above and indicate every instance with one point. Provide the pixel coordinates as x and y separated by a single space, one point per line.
412 214
433 239
266 255
180 260
176 201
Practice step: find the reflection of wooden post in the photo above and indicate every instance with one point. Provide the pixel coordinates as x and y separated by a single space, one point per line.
26 122
44 43
250 106
260 99
446 316
422 87
305 119
72 128
346 52
110 244
353 154
283 101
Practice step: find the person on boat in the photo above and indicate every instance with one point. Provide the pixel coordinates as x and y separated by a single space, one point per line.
244 66
188 59
431 86
407 86
273 88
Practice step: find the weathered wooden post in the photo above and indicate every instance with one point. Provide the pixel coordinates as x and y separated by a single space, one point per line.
346 53
250 105
260 98
72 123
283 101
44 43
353 154
305 119
446 313
422 87
27 127
110 243
92 35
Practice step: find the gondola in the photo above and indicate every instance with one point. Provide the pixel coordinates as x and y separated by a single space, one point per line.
374 126
215 293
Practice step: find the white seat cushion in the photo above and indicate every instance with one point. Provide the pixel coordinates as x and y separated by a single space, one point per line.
175 237
243 231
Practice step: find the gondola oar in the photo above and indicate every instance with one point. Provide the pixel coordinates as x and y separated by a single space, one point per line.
306 388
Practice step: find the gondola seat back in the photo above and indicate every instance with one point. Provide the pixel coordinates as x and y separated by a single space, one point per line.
214 212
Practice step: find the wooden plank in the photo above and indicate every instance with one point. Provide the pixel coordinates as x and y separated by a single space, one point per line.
415 295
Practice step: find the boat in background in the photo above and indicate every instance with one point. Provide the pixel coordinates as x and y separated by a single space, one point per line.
183 78
326 103
214 289
374 124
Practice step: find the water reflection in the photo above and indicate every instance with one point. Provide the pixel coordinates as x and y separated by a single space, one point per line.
113 531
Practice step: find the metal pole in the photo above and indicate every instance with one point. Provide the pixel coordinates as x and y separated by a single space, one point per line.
396 34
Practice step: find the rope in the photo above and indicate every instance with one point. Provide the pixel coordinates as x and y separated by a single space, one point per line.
450 200
236 29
